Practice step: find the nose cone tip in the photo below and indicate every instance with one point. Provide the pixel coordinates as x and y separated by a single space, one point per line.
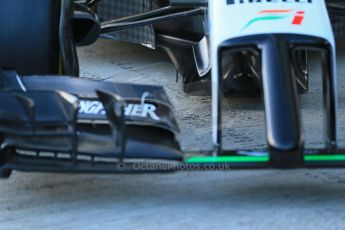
288 155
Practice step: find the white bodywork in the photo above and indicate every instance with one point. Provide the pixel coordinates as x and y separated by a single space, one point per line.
229 21
244 18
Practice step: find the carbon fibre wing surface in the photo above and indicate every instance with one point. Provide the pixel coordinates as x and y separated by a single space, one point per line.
70 119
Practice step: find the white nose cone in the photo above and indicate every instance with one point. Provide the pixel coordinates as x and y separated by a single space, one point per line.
237 18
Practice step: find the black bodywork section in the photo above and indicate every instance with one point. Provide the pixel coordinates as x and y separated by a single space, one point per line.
42 116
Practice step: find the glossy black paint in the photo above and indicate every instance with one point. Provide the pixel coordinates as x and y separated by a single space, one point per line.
70 63
86 26
26 124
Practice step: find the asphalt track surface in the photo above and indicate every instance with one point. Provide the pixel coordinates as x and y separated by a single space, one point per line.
268 199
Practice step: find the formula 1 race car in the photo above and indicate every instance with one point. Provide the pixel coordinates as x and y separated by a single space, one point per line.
185 40
52 121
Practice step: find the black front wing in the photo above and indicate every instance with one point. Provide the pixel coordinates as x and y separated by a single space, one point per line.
69 124
65 124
